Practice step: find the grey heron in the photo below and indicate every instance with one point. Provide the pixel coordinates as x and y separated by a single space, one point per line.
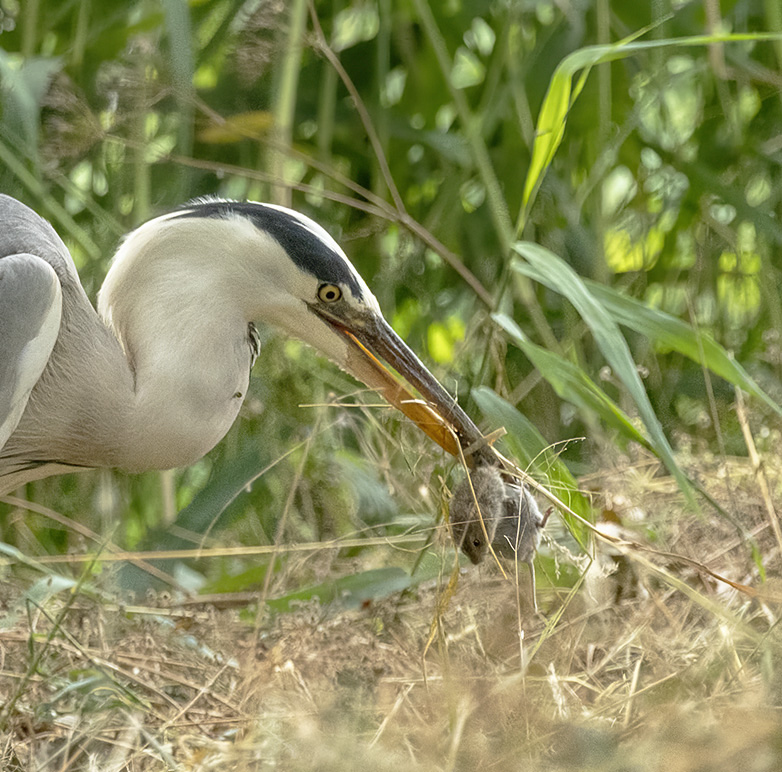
155 378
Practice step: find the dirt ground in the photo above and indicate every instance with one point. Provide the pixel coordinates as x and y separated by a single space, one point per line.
638 659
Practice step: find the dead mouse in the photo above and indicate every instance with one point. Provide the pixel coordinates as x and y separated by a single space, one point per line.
489 488
518 530
511 516
517 535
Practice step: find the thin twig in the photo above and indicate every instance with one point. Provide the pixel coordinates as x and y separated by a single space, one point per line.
363 113
757 467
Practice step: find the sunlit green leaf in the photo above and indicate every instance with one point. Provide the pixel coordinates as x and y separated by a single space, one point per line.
467 69
572 383
550 270
355 24
670 332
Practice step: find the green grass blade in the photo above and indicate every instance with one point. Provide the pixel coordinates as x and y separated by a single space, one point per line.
550 270
182 57
549 132
666 330
571 383
556 104
348 591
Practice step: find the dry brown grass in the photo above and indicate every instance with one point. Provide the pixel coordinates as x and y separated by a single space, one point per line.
628 671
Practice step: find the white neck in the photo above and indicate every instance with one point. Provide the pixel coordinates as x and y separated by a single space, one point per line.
156 379
181 314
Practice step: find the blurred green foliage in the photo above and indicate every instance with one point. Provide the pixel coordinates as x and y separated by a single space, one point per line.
654 173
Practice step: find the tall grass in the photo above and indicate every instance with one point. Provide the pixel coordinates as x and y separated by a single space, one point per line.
590 259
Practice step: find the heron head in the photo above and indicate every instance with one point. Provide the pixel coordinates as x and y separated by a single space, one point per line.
301 281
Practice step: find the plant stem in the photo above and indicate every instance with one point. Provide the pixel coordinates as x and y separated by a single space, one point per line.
284 109
498 207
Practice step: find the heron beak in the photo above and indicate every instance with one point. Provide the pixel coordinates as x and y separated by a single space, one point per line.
437 414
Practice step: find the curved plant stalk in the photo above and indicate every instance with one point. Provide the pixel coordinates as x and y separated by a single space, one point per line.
375 205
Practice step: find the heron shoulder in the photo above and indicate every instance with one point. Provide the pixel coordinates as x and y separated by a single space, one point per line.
30 313
23 231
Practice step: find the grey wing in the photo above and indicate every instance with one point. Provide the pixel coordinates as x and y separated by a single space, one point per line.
22 231
30 312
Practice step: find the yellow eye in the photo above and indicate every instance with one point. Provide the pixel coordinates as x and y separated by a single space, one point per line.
329 293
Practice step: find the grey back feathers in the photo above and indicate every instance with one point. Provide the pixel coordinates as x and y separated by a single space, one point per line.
25 232
29 321
43 309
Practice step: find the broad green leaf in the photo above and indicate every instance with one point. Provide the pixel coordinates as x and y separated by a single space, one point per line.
562 94
550 270
348 591
353 25
549 131
532 450
571 383
666 330
557 103
24 83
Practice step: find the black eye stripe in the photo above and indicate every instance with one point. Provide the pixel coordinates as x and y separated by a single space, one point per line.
307 250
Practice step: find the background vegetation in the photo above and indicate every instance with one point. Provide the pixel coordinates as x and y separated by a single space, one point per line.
570 209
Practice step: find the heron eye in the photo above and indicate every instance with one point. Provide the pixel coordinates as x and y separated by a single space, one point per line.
329 293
